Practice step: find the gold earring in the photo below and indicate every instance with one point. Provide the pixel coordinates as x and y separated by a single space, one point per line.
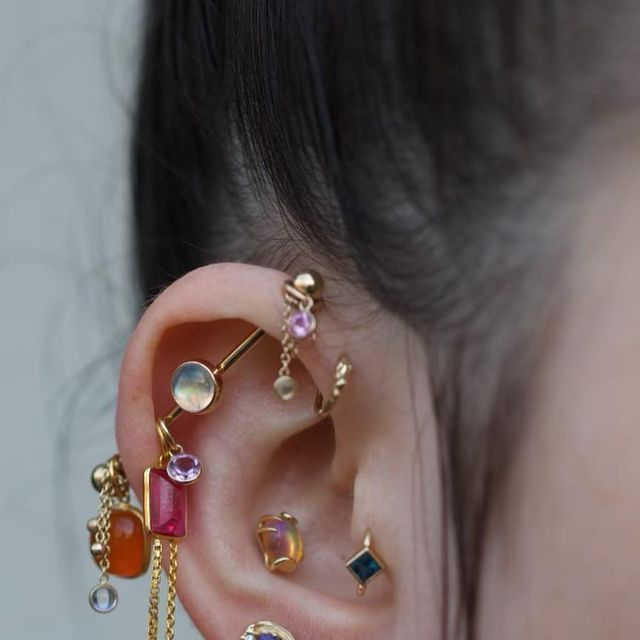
280 542
302 297
196 388
118 539
341 379
365 565
266 631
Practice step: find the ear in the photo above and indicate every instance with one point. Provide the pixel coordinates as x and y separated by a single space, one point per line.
262 455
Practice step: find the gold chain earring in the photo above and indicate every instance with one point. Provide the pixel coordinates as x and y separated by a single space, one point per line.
118 540
196 388
302 297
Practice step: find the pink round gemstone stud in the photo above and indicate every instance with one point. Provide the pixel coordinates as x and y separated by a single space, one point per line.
184 468
302 324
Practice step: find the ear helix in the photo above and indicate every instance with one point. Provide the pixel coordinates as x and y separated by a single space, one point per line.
197 388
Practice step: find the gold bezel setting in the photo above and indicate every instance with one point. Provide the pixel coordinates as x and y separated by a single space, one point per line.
253 631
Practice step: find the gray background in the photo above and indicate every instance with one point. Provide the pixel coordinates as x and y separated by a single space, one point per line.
66 78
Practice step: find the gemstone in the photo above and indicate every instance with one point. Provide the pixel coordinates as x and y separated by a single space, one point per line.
103 598
165 504
302 324
266 631
194 387
184 468
128 544
280 542
365 566
285 387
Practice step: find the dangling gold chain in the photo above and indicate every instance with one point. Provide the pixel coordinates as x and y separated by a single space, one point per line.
154 592
103 533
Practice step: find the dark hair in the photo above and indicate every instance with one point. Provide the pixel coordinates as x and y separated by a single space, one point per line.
410 139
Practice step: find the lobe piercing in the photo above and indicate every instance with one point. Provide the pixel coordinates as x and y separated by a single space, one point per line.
302 296
266 631
365 565
280 542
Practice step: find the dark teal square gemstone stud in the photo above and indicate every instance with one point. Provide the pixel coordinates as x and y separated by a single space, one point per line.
365 566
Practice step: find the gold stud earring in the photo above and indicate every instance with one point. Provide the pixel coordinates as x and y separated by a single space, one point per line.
280 542
365 565
266 631
302 297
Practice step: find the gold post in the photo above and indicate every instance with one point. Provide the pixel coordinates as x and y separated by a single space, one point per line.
220 369
242 349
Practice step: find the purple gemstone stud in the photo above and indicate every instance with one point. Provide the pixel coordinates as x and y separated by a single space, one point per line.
302 324
184 468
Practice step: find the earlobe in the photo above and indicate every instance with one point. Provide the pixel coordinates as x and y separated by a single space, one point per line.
258 454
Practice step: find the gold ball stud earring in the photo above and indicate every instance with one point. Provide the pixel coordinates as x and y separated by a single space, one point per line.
266 631
280 542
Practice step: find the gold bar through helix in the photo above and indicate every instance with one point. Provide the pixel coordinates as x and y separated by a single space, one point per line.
222 367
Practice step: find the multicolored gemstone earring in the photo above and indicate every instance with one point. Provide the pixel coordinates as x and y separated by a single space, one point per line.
280 542
365 565
266 631
118 540
196 388
302 297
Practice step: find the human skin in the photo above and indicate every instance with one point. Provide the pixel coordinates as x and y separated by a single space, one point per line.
561 555
562 539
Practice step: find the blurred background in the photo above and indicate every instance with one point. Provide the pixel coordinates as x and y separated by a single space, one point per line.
67 74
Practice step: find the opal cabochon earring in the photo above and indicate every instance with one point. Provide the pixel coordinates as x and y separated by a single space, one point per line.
280 542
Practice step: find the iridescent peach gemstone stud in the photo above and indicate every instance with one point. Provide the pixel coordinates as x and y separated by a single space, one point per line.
280 542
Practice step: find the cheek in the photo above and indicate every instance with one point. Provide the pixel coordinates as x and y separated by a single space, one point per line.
562 555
